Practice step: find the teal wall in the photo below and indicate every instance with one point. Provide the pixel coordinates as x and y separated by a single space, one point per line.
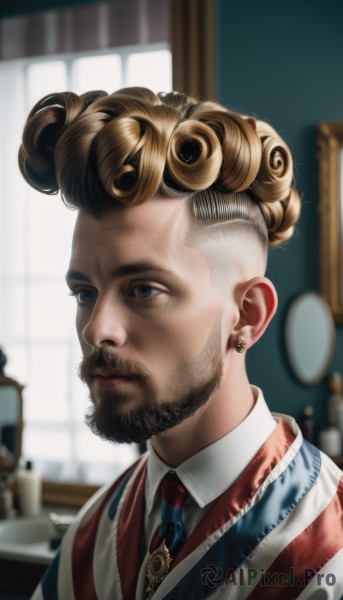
284 63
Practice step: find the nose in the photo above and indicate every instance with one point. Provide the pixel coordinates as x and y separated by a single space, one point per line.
105 325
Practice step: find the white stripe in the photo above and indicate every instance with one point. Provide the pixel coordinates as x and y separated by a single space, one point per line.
65 573
315 501
189 561
104 557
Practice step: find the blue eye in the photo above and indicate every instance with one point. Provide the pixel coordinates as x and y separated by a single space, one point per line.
145 292
84 296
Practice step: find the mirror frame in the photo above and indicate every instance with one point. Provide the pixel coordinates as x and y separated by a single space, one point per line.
8 381
330 155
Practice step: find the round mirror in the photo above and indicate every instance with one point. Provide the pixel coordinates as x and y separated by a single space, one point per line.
310 337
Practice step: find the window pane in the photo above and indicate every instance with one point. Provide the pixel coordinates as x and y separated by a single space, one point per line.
80 394
50 230
97 73
150 69
45 78
15 310
47 393
15 233
91 448
47 444
101 472
50 311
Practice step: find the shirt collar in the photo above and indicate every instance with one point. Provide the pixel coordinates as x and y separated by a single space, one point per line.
206 475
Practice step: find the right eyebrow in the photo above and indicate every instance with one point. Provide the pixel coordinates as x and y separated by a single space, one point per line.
124 270
76 275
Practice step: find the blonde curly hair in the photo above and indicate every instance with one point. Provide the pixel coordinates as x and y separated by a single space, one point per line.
99 149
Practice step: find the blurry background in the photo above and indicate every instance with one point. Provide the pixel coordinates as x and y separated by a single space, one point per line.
281 63
284 63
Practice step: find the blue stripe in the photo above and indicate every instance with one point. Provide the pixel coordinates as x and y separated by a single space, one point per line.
49 580
280 498
112 509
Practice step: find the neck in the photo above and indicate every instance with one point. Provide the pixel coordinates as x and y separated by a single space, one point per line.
222 413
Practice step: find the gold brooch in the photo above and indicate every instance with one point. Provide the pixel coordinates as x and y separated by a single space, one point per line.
158 566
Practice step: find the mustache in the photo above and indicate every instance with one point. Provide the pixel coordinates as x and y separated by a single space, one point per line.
102 358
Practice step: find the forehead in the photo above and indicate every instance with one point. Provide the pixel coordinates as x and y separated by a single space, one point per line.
158 226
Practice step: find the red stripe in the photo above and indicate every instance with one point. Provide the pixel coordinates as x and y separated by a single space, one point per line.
311 549
243 488
83 549
130 532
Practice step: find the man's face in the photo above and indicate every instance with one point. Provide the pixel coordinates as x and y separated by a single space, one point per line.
149 319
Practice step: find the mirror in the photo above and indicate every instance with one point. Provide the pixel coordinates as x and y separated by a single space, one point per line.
330 156
11 420
310 337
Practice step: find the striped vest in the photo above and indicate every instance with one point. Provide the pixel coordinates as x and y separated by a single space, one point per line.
269 535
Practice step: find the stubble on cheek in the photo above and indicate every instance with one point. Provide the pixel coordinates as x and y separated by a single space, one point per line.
191 373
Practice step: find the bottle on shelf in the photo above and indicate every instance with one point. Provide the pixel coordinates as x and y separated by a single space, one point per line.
306 424
330 441
29 491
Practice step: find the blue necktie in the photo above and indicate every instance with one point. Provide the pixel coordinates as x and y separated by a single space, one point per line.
171 532
171 529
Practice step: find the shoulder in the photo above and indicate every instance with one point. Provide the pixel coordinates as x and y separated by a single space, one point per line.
107 498
88 540
96 517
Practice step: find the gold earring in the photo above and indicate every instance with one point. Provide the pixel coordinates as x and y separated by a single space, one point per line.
240 344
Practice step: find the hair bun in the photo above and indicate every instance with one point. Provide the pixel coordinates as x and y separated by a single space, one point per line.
276 170
194 156
131 169
45 125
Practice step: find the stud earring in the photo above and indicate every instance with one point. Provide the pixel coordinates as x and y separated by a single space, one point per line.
240 344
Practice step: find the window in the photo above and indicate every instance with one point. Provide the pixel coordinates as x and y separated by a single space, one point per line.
36 314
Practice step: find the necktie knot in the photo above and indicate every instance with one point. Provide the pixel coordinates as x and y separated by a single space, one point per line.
173 492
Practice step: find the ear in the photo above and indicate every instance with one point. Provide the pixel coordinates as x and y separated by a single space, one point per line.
257 301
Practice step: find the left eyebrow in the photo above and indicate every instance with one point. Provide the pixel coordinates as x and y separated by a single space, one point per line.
124 271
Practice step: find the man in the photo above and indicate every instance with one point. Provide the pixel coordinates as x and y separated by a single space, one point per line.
177 203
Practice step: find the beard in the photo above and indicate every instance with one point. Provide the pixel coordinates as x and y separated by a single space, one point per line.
108 420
